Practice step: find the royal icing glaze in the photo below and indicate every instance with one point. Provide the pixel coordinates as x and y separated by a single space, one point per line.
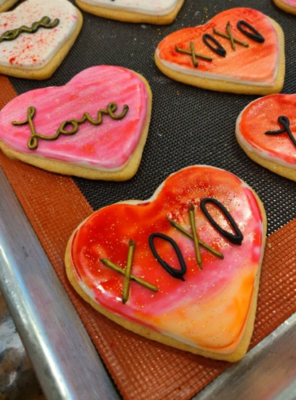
107 146
35 50
150 7
261 116
291 3
207 310
256 64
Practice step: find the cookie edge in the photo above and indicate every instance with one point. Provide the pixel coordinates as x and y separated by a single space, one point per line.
48 70
66 168
150 334
285 7
231 87
129 16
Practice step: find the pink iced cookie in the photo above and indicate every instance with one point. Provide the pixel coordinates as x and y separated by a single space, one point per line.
94 127
287 5
266 131
36 37
202 303
239 50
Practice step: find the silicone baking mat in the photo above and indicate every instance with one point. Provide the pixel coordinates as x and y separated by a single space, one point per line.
188 126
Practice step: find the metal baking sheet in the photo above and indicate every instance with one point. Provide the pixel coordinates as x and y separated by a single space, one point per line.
65 360
51 329
200 121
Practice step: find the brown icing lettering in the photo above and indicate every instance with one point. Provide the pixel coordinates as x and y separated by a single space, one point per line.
73 124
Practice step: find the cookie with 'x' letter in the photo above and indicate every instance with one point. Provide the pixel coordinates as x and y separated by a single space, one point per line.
266 131
240 50
181 268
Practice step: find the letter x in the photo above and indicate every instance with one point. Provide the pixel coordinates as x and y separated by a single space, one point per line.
127 273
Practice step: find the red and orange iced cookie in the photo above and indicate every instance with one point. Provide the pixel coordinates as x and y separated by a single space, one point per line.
94 127
240 50
182 267
7 4
36 36
157 12
287 5
266 131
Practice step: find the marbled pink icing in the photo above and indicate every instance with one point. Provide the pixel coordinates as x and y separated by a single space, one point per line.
106 146
33 51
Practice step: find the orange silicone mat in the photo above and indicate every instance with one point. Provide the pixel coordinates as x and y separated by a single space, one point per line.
140 368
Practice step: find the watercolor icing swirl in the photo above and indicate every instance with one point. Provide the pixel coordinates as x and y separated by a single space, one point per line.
150 7
261 116
256 64
107 146
210 308
33 51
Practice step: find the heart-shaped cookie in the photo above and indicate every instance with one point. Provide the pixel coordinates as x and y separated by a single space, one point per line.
36 37
181 268
157 12
94 127
6 4
240 50
266 131
287 5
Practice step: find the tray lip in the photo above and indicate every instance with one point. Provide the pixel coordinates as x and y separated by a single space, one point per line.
24 268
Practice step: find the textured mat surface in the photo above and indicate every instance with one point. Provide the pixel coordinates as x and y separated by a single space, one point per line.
189 126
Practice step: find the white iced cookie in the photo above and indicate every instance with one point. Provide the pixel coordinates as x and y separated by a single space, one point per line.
148 11
36 36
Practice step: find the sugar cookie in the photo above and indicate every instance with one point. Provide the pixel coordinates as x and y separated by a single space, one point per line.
240 50
159 12
287 5
266 131
93 127
182 267
36 36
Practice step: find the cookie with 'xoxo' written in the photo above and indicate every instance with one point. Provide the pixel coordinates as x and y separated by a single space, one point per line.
182 267
239 50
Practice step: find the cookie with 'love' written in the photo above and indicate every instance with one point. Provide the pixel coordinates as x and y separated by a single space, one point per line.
157 12
240 50
94 127
266 131
36 36
287 5
7 4
181 268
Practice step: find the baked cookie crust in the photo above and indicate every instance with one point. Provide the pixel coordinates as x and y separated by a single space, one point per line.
128 16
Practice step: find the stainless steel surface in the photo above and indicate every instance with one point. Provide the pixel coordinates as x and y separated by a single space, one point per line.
268 372
64 358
